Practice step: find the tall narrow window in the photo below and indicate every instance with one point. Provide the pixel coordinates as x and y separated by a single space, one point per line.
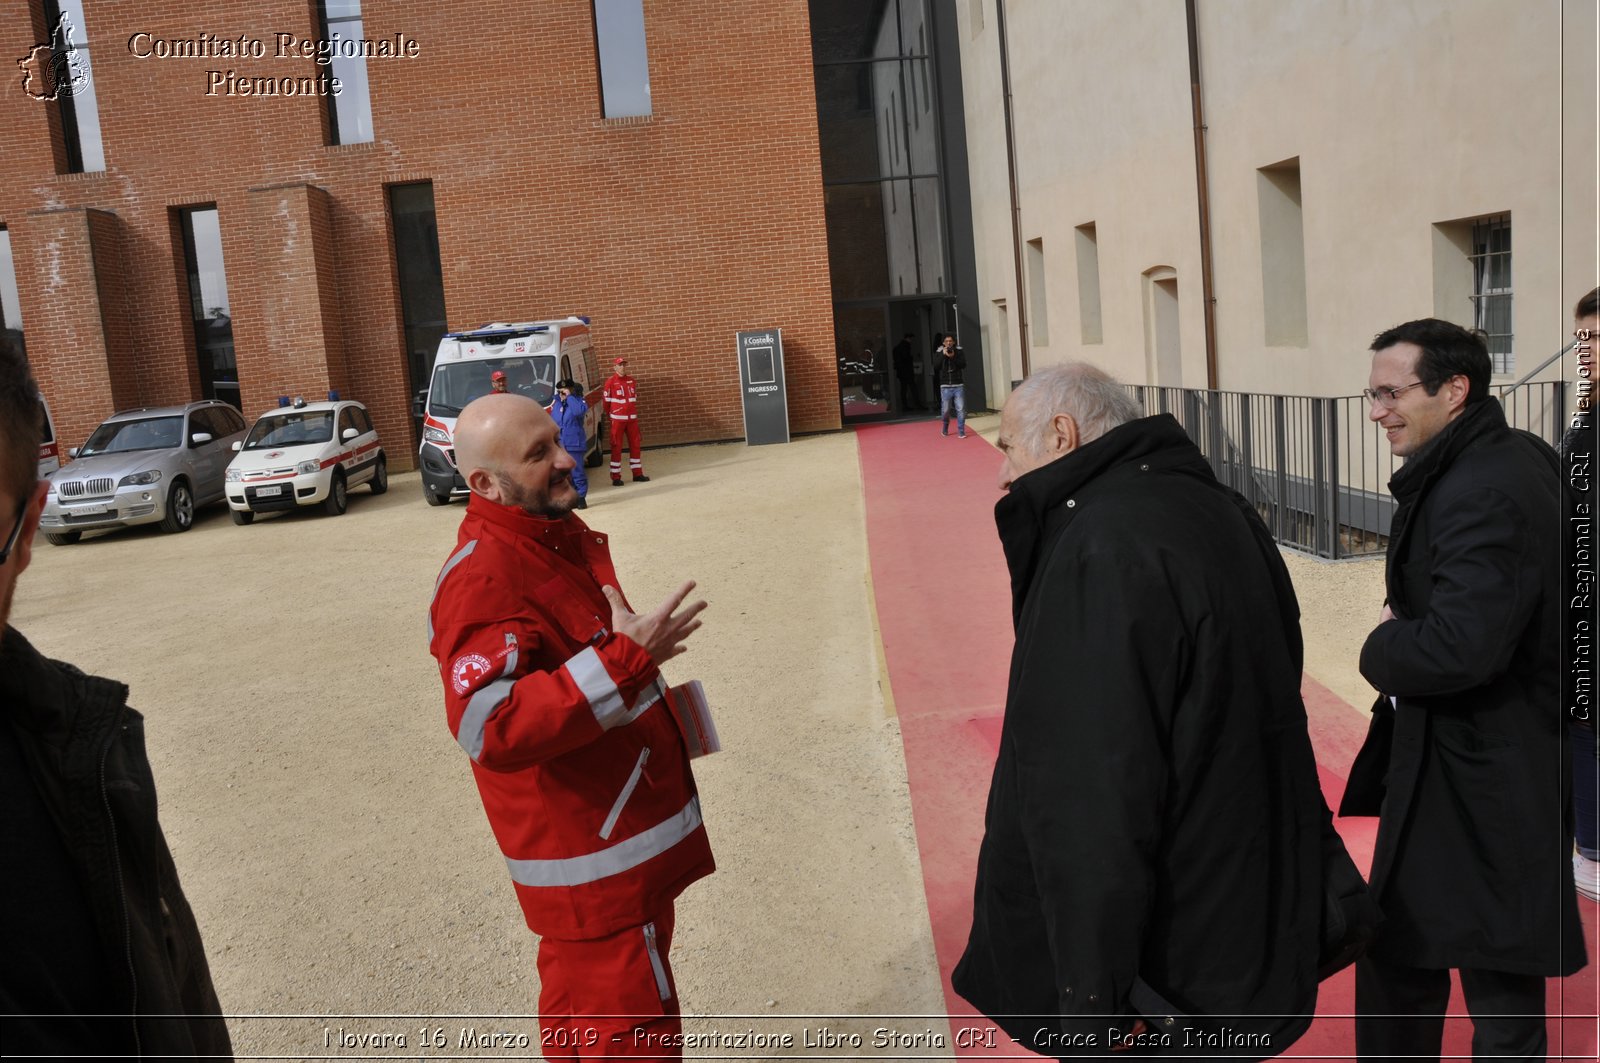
73 86
1472 280
1162 340
624 60
1491 288
1088 248
1283 254
1038 304
208 303
349 112
416 256
10 303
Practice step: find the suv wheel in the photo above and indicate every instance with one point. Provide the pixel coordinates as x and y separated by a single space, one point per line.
66 538
380 476
241 517
338 496
180 508
434 498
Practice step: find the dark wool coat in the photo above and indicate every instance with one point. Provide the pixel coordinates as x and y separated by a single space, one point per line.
1151 843
1471 772
84 749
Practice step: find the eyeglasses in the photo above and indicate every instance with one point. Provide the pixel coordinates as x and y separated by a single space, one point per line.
1387 397
16 532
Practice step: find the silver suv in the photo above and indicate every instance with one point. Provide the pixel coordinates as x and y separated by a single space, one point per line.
143 466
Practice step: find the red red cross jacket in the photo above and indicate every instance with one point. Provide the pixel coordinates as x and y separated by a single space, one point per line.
622 398
581 767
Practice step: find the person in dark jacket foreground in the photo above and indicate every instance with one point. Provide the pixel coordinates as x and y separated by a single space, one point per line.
1465 762
1150 875
102 955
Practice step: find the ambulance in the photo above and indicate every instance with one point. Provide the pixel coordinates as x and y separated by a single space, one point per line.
49 449
532 356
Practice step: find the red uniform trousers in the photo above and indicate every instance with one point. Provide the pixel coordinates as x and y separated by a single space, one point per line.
610 997
630 428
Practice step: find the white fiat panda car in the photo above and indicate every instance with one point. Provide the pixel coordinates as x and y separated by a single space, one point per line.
305 454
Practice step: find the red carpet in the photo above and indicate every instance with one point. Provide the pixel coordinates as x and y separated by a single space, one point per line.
944 610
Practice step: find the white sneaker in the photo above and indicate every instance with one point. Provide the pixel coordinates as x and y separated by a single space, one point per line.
1586 873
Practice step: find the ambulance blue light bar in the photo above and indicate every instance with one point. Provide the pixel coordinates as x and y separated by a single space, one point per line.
487 333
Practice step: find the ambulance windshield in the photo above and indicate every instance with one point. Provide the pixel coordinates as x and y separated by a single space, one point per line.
458 383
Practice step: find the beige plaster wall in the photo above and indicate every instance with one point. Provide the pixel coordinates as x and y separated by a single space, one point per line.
1402 114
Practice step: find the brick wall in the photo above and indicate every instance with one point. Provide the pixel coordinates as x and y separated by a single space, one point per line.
671 232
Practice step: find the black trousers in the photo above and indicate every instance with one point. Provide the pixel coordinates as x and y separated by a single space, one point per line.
1400 1012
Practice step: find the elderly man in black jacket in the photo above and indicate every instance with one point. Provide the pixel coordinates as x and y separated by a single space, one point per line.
1465 761
1151 867
102 955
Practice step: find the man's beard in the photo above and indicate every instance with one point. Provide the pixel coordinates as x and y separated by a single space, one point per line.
533 502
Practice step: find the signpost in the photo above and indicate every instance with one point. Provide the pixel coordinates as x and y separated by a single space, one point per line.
766 403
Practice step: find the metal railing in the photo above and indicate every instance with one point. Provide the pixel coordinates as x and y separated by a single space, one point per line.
1317 469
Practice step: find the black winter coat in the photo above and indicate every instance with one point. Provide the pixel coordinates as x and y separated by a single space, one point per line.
1471 773
949 370
1151 842
84 749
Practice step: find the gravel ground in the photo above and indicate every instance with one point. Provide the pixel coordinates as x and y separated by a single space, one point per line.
326 825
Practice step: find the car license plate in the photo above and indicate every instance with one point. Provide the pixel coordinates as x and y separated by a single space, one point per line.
89 511
269 492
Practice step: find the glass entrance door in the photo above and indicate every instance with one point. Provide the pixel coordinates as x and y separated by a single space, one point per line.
860 336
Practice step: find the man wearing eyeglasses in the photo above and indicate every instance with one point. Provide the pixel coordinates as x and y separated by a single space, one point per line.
103 957
1465 762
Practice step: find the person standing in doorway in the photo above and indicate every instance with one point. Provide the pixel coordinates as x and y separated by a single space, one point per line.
905 375
949 367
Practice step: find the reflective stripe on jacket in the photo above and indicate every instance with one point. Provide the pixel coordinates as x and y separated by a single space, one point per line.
581 767
621 398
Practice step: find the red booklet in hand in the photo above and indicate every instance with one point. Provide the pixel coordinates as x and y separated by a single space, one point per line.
688 704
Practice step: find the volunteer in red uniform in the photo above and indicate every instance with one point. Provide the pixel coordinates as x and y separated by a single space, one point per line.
622 406
553 690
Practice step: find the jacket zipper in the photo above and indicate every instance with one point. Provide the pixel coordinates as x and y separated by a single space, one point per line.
656 965
122 893
627 792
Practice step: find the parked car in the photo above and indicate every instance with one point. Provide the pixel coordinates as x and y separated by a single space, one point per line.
143 467
306 454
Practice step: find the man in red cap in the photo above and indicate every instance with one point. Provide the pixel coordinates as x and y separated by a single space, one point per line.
622 406
497 382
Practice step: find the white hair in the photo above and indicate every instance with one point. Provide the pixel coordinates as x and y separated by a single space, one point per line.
1091 398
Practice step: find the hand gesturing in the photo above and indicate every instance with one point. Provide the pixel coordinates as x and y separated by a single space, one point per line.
662 632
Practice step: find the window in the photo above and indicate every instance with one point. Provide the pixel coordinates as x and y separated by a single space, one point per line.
416 257
1162 340
208 420
10 302
1283 254
347 422
350 112
1491 288
363 422
1038 312
1472 281
208 304
1088 248
75 94
624 59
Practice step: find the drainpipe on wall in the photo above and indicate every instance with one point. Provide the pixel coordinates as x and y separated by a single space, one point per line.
1203 191
1011 171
